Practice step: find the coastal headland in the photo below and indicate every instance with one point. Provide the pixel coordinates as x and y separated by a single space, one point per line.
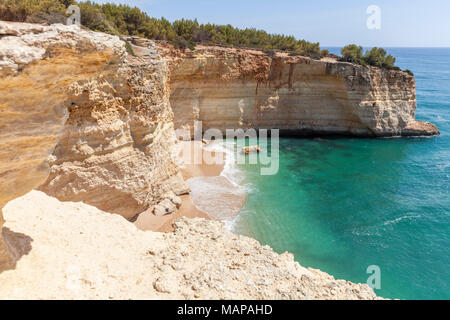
101 155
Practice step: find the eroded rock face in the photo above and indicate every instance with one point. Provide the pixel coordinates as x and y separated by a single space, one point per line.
116 151
114 260
228 89
36 64
106 112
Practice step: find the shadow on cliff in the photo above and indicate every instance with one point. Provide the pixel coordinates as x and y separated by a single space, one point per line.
17 245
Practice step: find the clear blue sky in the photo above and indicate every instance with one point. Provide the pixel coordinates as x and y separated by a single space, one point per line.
404 23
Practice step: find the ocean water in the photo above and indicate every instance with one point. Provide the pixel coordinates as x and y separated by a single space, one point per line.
343 204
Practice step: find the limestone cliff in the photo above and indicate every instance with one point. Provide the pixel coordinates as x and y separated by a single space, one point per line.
33 101
106 112
75 251
231 88
115 150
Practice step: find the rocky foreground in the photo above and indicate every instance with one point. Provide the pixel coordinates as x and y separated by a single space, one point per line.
75 251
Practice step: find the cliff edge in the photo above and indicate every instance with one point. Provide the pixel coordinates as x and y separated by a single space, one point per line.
75 251
115 151
84 119
228 88
34 101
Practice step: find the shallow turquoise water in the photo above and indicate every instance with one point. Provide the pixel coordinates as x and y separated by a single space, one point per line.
342 204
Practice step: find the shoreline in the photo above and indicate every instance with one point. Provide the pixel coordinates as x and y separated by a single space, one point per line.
194 175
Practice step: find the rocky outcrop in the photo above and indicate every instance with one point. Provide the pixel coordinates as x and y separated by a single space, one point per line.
231 88
115 151
106 112
36 64
95 255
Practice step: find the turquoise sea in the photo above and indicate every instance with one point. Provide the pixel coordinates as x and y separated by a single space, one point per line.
344 204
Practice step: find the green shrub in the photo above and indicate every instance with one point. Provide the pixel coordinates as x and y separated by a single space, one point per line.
376 57
125 20
36 11
324 53
182 43
93 18
353 53
129 48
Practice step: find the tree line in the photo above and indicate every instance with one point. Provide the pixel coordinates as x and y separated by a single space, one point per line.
131 21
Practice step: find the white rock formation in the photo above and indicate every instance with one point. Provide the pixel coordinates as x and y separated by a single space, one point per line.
75 251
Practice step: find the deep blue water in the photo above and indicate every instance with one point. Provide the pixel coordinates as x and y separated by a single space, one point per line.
343 204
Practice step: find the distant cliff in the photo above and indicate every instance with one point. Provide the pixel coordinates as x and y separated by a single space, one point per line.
229 88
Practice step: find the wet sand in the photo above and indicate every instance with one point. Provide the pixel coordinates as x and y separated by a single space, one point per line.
217 196
191 170
147 221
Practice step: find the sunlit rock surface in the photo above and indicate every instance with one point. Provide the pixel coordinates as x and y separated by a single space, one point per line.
36 66
234 88
75 251
84 118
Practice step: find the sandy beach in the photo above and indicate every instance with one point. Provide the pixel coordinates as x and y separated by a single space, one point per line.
214 203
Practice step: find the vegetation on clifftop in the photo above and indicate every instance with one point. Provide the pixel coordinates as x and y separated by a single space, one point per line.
131 21
34 11
377 57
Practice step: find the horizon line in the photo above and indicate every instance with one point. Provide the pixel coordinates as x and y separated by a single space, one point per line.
393 47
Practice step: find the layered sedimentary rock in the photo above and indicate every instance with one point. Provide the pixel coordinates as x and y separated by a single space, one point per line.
231 88
106 112
36 64
115 151
75 251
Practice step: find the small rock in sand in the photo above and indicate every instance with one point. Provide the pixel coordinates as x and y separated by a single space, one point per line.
251 149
